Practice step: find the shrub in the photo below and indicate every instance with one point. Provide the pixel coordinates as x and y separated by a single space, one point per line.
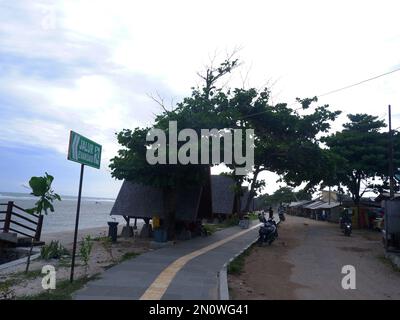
54 250
86 249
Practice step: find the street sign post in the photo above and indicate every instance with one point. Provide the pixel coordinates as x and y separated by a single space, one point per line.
85 152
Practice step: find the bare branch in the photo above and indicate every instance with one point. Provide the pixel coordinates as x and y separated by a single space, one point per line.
159 100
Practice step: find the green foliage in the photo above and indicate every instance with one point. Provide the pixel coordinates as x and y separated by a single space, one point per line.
107 245
211 228
128 256
285 142
232 220
41 187
6 291
86 249
362 150
236 266
63 291
285 195
252 216
54 250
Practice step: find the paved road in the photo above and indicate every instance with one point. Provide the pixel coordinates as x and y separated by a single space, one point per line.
323 252
194 277
306 263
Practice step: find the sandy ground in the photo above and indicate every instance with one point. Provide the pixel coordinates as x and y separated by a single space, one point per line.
100 258
306 263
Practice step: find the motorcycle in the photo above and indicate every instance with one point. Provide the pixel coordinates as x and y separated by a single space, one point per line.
268 232
281 214
347 228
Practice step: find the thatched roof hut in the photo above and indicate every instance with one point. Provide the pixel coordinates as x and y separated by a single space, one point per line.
223 195
140 201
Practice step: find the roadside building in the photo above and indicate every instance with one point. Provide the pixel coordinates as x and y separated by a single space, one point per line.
297 208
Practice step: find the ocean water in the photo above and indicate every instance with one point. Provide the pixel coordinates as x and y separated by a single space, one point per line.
95 212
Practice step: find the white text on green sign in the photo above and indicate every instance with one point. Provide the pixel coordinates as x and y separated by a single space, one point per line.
84 150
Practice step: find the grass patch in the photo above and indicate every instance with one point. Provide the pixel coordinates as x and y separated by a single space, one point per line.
237 265
128 256
7 284
101 238
64 290
212 228
389 263
29 275
230 222
17 278
253 216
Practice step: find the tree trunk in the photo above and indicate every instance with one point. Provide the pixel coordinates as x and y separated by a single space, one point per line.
252 192
170 195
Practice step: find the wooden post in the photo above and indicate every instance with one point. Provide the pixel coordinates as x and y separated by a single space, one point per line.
39 228
7 221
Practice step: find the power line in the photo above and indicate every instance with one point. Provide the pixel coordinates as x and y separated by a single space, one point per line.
330 92
358 83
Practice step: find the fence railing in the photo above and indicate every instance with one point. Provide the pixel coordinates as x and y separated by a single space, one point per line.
16 219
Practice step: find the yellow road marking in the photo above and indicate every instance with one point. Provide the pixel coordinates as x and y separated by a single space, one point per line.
157 289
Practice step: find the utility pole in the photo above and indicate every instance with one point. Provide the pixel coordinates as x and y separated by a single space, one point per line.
390 176
391 171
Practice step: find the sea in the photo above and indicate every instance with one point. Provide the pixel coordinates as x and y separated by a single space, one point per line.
94 212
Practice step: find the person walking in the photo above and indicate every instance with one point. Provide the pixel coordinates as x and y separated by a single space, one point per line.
271 213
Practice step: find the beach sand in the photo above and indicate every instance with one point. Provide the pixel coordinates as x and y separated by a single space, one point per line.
101 258
66 238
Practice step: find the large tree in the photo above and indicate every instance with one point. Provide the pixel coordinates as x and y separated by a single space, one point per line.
286 142
201 110
362 150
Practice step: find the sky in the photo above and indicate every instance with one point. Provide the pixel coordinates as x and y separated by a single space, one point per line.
90 66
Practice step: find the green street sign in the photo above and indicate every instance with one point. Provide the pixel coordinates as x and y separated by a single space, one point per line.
84 150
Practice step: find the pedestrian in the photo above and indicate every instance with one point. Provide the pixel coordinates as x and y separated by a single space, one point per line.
271 213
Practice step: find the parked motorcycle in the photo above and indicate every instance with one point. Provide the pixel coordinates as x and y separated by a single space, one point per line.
268 232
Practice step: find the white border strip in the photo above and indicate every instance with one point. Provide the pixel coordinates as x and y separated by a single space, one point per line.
223 289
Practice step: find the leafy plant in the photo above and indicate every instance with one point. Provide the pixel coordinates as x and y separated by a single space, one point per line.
54 250
41 187
107 244
86 249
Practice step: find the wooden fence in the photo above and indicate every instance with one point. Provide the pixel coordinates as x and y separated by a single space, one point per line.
16 219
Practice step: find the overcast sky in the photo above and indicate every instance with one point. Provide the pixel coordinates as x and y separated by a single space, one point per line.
89 66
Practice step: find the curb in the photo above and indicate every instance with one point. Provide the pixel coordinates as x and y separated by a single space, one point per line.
35 255
223 290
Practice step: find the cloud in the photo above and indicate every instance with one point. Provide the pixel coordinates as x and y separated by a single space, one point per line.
89 66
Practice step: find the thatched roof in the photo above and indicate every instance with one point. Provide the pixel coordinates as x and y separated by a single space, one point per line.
223 195
139 201
243 199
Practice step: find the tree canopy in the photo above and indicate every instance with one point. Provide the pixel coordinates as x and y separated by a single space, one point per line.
361 148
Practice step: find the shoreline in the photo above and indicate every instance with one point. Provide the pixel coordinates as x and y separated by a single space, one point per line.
66 238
